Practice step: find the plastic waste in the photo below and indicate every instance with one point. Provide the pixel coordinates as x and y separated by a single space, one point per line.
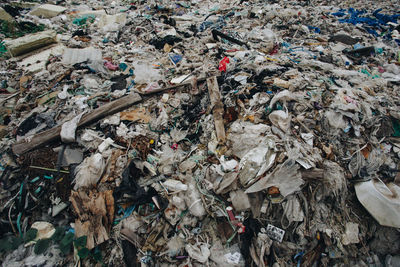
64 94
345 39
90 83
334 179
30 42
26 257
350 235
275 233
70 156
282 83
217 34
246 133
89 171
292 209
381 200
105 145
193 200
109 23
159 43
280 119
45 229
286 177
175 58
200 253
284 95
68 129
228 165
226 257
72 56
145 73
181 79
360 52
240 200
48 10
256 162
84 19
306 103
109 65
265 38
175 185
336 120
223 63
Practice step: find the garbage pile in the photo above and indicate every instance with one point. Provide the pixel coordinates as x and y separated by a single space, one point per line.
200 133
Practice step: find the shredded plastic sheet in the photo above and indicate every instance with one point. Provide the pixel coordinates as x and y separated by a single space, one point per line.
374 24
286 177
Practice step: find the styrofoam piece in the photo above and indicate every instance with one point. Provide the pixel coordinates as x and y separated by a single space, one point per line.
30 42
48 10
37 62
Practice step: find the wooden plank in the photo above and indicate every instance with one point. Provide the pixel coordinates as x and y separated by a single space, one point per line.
218 108
53 134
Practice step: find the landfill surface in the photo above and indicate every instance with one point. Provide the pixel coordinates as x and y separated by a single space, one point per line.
200 133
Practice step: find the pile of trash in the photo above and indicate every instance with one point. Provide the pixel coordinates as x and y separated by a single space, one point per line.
200 133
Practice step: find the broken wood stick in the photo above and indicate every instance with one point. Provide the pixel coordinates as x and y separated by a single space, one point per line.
217 107
215 33
59 79
175 86
53 134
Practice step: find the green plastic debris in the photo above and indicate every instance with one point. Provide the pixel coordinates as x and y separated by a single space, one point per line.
366 72
97 255
30 235
65 249
83 20
378 50
3 49
13 29
67 240
396 127
58 234
369 74
41 246
66 243
80 242
83 253
10 243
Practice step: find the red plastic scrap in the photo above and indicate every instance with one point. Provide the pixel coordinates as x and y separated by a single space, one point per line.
174 146
234 221
223 63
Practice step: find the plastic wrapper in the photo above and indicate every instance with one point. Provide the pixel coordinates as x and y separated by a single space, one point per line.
286 177
72 56
381 200
281 119
89 171
109 23
255 163
68 129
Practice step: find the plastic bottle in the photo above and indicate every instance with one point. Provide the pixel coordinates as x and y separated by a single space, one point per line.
193 201
175 185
